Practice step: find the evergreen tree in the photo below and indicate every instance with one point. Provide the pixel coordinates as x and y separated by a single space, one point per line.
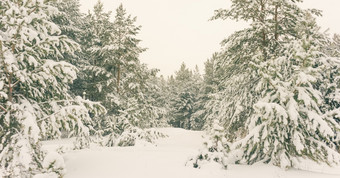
155 100
210 74
200 97
99 79
330 83
96 80
182 98
268 100
140 111
185 104
69 19
127 45
71 23
208 86
133 79
115 77
34 98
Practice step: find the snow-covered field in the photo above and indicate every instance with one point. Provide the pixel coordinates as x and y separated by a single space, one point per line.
167 160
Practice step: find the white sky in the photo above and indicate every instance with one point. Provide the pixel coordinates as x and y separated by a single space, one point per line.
176 31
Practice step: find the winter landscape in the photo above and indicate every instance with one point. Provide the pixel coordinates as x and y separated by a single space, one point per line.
78 100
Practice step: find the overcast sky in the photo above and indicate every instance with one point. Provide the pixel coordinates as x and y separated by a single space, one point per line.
176 31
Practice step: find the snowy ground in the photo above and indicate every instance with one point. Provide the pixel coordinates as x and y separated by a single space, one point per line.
167 160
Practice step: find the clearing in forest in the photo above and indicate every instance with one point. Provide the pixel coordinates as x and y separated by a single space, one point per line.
166 159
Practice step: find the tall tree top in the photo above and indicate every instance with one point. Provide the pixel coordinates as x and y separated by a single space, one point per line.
98 10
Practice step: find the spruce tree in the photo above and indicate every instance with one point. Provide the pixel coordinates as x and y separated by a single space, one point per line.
330 83
99 64
268 100
196 119
96 80
130 74
207 88
127 46
34 98
115 77
185 99
69 18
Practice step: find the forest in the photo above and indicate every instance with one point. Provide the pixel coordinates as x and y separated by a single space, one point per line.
270 95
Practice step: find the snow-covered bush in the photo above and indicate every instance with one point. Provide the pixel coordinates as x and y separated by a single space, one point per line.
130 135
135 135
54 162
215 148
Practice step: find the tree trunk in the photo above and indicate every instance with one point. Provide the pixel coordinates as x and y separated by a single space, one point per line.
276 23
118 77
264 38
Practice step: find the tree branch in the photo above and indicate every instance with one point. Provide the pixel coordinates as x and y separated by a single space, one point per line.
4 109
15 83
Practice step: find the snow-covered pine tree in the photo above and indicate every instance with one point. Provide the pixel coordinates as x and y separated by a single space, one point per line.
133 106
153 101
186 99
96 62
130 74
332 74
34 99
268 100
157 96
199 99
330 89
183 105
99 62
288 126
210 74
330 83
182 99
127 45
69 19
139 111
125 54
208 86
